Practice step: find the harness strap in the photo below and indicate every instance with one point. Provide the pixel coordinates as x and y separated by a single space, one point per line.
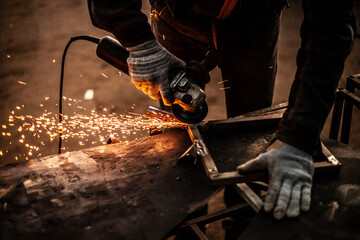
226 9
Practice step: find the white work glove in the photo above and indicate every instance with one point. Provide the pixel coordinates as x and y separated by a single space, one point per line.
149 64
290 179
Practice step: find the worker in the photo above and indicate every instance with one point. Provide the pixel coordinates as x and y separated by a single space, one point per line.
247 32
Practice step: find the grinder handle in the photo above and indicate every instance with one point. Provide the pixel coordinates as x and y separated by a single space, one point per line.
111 51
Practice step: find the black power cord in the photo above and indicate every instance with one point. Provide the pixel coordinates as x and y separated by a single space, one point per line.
73 39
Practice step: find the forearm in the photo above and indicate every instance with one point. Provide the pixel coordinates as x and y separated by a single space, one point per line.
123 18
327 38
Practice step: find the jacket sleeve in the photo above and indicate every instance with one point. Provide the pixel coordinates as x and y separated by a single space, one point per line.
327 35
123 18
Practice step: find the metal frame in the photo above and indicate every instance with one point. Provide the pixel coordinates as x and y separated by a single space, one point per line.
327 163
250 197
345 99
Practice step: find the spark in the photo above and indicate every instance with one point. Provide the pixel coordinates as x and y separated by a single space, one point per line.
22 83
222 81
104 75
224 88
53 60
8 56
86 127
163 36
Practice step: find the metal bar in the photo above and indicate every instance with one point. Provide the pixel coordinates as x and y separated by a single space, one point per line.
201 150
236 123
350 100
266 110
336 117
249 196
198 233
327 163
351 97
346 122
209 218
329 156
353 82
158 113
226 178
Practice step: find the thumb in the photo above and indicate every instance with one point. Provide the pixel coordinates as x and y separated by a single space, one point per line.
256 164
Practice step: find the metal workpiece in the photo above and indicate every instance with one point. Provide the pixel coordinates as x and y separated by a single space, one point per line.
266 120
161 114
249 196
345 99
201 151
224 144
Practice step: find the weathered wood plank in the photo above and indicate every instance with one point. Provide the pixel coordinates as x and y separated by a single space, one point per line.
118 191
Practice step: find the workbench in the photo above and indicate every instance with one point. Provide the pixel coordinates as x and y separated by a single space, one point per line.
139 190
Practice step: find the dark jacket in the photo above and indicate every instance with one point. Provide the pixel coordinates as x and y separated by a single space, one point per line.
327 38
130 26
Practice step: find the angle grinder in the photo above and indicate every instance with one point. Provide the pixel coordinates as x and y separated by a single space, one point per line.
186 84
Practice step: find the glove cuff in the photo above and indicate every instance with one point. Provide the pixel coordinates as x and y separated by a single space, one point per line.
145 46
295 151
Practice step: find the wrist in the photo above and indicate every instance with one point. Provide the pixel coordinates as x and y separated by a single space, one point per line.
282 146
145 46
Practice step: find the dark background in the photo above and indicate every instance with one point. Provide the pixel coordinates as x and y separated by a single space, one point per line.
34 34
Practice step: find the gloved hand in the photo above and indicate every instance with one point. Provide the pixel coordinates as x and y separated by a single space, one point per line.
149 65
290 179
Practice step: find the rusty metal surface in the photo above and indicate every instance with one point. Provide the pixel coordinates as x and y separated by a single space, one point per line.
119 191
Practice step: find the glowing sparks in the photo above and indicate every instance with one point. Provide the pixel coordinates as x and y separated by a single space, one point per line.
104 75
53 60
225 88
22 83
222 81
1 153
87 128
8 56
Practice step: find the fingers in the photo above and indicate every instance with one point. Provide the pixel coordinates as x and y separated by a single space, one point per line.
283 199
148 89
305 198
154 93
294 205
257 164
166 94
290 199
273 191
137 84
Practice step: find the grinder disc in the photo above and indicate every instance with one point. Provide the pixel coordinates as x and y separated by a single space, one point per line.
189 117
